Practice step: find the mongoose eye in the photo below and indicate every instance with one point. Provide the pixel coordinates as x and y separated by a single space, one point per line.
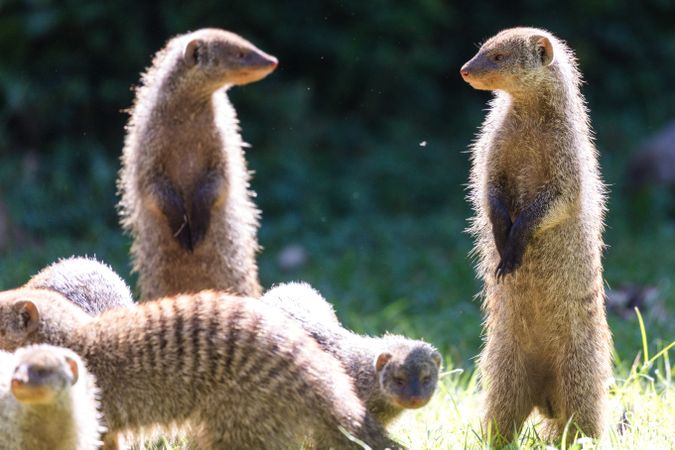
399 381
240 55
426 380
498 57
41 372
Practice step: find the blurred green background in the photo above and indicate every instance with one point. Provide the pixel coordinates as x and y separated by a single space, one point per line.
358 140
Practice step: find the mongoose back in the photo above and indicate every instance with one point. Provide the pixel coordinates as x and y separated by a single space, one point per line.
236 373
184 184
391 373
90 284
539 206
47 401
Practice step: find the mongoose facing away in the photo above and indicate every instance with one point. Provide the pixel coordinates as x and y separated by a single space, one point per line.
47 401
539 205
90 284
237 373
184 184
391 373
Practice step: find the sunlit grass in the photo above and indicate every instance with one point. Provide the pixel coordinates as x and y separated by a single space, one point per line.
641 416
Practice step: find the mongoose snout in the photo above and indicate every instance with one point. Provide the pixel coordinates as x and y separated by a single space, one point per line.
40 377
228 57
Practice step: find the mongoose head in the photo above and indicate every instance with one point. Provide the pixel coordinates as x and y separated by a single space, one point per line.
224 58
43 373
35 316
408 373
514 60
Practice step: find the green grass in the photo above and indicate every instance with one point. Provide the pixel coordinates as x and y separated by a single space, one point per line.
642 411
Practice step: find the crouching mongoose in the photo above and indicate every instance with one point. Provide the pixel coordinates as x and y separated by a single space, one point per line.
47 401
391 373
238 373
184 184
90 284
539 205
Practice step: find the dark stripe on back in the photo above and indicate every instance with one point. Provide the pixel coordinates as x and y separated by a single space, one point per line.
247 348
233 322
150 330
212 338
195 323
163 339
178 336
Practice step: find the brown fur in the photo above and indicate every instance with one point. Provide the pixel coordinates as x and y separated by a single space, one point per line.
239 375
47 401
184 184
539 204
391 373
88 283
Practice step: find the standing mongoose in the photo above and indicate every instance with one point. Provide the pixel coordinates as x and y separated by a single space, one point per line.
238 374
90 284
184 184
391 373
539 206
47 401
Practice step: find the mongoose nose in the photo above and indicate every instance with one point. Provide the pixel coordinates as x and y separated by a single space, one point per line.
464 72
273 61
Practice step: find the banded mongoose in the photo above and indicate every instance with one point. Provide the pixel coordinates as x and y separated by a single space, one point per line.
184 184
539 206
391 373
241 375
47 401
90 284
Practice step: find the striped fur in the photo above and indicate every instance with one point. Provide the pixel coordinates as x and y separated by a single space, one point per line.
238 374
412 363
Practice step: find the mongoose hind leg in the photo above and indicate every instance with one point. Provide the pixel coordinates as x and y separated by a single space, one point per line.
508 398
580 393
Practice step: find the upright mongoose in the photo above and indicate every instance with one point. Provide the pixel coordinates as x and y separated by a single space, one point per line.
391 373
90 284
47 401
241 375
539 206
184 184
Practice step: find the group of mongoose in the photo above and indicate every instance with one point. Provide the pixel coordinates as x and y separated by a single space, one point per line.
207 355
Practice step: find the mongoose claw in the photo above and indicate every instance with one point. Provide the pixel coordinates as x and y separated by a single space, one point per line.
509 262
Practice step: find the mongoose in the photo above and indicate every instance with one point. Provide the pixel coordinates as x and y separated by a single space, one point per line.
238 374
391 373
47 401
90 284
184 184
539 206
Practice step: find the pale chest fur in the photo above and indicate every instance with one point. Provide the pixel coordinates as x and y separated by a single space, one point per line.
188 147
522 159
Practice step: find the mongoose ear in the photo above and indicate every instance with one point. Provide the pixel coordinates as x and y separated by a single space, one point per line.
436 357
74 369
28 314
381 360
191 52
545 50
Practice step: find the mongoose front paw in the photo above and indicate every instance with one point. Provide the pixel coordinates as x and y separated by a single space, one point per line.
512 258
